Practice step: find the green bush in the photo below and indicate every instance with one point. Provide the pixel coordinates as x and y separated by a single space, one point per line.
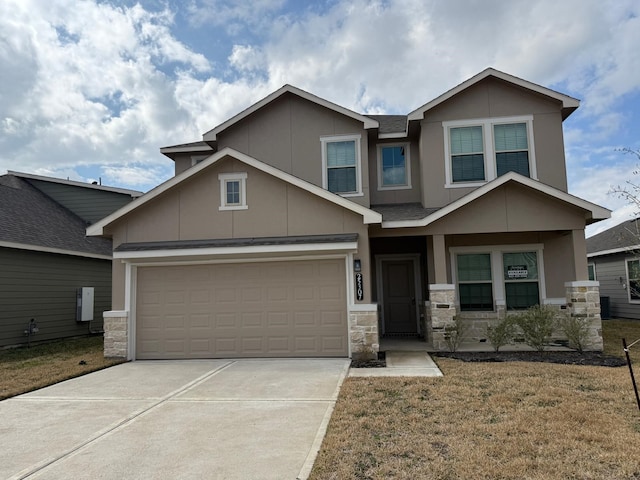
453 334
501 333
537 324
576 329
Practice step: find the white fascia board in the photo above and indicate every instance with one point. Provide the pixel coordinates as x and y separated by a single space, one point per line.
384 136
597 212
368 122
240 250
630 248
187 149
126 191
567 101
369 216
60 251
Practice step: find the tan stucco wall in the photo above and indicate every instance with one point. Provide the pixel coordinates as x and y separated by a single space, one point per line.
286 134
190 211
491 98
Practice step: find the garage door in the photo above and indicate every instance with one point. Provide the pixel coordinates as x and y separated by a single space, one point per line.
262 309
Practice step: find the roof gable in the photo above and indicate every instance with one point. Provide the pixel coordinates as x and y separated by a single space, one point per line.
593 212
369 216
569 104
368 122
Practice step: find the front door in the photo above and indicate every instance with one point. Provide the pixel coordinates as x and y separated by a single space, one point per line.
399 297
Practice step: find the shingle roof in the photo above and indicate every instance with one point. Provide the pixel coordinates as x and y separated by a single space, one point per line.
626 234
391 123
29 217
403 211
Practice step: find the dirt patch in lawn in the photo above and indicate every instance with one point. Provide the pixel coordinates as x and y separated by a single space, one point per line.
564 358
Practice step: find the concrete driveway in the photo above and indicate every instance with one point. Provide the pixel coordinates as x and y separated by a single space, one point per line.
213 419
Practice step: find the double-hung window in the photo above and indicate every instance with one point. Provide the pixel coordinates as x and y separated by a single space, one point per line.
521 280
394 170
341 164
233 191
484 149
633 277
475 282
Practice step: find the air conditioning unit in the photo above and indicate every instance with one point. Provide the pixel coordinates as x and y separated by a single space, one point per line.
84 304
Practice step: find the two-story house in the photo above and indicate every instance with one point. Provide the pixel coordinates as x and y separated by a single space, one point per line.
301 228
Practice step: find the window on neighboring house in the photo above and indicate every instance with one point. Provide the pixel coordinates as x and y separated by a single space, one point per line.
521 280
341 164
474 282
591 268
394 171
633 280
484 149
467 154
512 148
233 194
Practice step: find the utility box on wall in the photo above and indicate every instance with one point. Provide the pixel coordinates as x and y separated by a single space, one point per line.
84 304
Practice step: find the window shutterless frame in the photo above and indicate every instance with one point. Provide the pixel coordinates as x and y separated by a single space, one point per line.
489 152
233 191
394 166
345 179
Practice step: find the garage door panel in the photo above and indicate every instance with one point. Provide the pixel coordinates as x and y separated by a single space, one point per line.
245 310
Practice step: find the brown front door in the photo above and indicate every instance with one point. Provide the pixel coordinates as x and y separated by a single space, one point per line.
399 297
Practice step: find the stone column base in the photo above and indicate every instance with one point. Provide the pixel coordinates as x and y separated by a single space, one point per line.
116 335
583 301
441 312
364 339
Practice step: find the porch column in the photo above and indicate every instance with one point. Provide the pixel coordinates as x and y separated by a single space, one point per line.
579 255
441 313
583 302
440 260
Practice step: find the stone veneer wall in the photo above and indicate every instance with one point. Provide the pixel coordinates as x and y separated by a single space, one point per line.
116 334
583 301
363 332
441 313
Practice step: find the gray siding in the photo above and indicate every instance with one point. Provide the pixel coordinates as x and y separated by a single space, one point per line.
609 270
89 204
43 286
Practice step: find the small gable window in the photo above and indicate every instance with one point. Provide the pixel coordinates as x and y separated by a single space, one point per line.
233 191
341 164
393 167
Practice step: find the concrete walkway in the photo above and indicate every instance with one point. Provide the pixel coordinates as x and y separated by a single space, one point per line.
402 364
213 419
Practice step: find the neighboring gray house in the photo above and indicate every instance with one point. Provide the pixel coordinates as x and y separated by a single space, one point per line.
614 261
45 255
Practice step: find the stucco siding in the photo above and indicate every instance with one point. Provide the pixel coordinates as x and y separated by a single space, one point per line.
43 286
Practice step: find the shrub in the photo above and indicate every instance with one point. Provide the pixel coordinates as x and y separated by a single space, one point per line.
537 324
501 333
453 334
576 329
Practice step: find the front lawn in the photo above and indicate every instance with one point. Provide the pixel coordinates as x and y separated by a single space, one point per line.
512 420
24 369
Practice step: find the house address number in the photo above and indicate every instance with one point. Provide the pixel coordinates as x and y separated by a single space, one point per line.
359 287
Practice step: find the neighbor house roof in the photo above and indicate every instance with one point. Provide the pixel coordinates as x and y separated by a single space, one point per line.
369 216
30 220
93 186
624 237
569 104
593 212
367 121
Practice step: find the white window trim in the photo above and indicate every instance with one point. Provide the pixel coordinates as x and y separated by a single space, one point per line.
342 138
497 268
627 285
407 166
595 275
226 177
490 169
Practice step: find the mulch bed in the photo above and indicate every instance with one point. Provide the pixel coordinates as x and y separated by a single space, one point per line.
566 358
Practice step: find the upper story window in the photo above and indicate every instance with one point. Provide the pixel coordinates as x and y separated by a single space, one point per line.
478 151
394 167
233 191
341 166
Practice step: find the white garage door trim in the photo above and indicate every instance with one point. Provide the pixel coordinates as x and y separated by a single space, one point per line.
131 268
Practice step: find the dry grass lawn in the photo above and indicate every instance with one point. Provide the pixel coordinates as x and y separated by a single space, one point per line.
490 421
25 369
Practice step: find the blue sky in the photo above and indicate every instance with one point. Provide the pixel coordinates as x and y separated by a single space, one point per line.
92 89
